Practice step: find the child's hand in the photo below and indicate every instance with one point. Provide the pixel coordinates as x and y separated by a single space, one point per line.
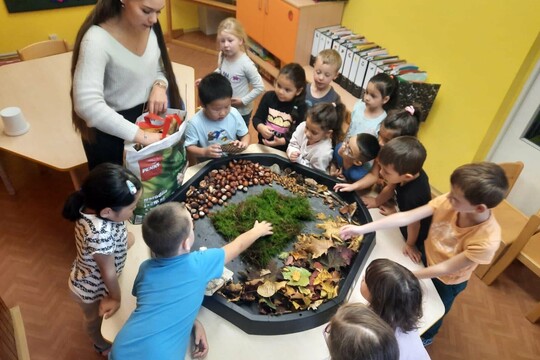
130 239
108 306
262 228
265 131
344 187
239 144
294 156
387 210
197 82
412 252
369 201
275 142
213 151
200 349
236 102
348 231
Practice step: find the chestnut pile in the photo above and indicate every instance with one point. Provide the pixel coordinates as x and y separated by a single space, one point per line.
221 184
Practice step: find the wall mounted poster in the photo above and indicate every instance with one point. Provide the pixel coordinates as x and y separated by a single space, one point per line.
15 6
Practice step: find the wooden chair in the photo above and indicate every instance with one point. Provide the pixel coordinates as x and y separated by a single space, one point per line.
512 171
13 345
526 248
512 222
43 49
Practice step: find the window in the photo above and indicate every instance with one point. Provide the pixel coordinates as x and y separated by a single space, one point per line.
532 133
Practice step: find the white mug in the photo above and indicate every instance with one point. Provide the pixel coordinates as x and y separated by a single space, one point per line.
14 122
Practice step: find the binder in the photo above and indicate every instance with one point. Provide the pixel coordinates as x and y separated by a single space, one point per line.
316 38
346 50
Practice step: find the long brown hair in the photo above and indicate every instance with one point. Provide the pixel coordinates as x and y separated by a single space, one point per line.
103 11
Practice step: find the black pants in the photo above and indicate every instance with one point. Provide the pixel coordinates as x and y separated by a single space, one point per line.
108 148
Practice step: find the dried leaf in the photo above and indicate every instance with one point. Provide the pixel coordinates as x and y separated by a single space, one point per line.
296 276
314 305
355 242
319 247
265 272
322 276
267 289
320 216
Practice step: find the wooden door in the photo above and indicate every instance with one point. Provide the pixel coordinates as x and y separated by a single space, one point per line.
251 14
280 29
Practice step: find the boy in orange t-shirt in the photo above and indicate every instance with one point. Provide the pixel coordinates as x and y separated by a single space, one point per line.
463 232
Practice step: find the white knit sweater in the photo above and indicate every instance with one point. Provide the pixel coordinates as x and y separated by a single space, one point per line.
109 78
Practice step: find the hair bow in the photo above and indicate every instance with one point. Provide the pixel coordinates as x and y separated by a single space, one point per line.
409 109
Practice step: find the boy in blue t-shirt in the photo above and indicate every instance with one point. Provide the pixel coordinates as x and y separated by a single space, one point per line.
216 124
401 161
170 287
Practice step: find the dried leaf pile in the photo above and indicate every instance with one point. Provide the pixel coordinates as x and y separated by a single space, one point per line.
309 276
287 214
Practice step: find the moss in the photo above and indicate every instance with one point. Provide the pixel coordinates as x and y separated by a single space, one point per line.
287 214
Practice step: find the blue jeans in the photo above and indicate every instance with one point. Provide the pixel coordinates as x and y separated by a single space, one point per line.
448 294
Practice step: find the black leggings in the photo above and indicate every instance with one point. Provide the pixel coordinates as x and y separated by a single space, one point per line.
108 148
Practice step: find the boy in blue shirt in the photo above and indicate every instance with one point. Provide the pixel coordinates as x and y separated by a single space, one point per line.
170 287
216 124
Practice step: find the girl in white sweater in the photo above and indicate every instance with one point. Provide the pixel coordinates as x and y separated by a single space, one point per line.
312 143
120 67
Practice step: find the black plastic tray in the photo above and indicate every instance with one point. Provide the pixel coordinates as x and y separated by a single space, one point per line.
248 317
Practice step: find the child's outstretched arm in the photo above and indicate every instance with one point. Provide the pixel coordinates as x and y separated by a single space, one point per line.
242 242
200 349
446 267
243 142
364 183
109 304
392 221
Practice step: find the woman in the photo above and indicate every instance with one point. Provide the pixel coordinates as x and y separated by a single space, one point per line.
120 67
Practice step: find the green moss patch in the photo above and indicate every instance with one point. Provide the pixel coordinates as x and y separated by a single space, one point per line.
286 213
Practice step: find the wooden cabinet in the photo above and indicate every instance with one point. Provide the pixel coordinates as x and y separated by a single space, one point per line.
285 27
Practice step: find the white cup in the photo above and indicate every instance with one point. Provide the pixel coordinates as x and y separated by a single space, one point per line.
14 122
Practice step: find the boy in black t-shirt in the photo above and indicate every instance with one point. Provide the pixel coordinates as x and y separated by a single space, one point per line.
401 161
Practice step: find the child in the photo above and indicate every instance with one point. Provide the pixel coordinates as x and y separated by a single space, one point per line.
401 161
394 293
463 232
355 332
107 198
216 123
354 157
280 111
325 70
237 67
399 123
313 141
170 287
380 95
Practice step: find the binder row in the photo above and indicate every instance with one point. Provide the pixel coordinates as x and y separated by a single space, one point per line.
361 59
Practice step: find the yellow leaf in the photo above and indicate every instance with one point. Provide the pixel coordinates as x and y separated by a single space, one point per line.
296 275
322 276
320 247
321 216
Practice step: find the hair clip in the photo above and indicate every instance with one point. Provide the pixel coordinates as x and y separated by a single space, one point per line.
334 104
409 109
131 187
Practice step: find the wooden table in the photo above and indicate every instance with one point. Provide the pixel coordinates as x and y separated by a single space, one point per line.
41 89
227 341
